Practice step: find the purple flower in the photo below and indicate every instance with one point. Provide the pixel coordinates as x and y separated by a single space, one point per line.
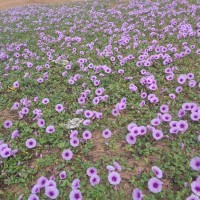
71 81
131 125
5 153
157 171
33 197
16 84
157 134
155 185
64 73
192 197
142 103
143 130
135 130
35 99
7 124
79 111
35 189
195 187
15 106
41 122
75 195
99 91
67 154
190 76
96 101
40 80
121 106
62 175
137 194
195 116
75 184
114 178
164 108
42 181
15 134
173 130
51 192
86 135
166 117
181 113
172 96
88 114
25 111
182 126
198 51
182 78
117 166
52 178
50 183
192 83
115 112
133 87
150 96
91 171
98 115
86 122
31 143
59 108
120 71
110 168
194 108
106 133
50 129
186 106
143 95
45 101
195 163
74 142
155 122
13 152
173 124
73 134
170 77
179 89
3 56
131 138
94 180
81 100
154 100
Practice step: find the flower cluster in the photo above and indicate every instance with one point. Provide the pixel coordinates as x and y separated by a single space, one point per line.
191 107
94 178
74 79
6 151
92 68
75 194
49 186
119 107
114 177
154 184
149 81
134 132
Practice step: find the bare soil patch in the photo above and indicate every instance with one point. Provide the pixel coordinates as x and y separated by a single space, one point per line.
7 115
6 4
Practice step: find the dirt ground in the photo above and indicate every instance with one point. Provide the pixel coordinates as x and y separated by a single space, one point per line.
6 4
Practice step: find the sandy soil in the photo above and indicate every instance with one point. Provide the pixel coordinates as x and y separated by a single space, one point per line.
6 4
